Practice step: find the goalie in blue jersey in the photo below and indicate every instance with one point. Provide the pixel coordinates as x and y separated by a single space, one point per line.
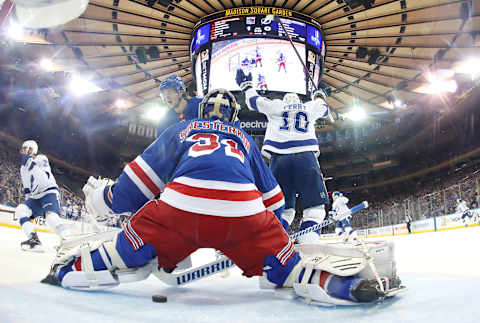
217 192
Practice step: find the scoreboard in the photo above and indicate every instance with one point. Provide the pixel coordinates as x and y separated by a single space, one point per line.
218 41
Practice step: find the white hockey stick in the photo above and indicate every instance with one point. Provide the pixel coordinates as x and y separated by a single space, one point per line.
223 263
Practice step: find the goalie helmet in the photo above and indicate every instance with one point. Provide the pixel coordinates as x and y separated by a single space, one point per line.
27 145
291 98
173 82
219 104
38 14
336 195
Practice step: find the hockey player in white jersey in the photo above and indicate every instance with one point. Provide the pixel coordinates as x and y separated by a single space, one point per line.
41 196
464 210
339 207
292 147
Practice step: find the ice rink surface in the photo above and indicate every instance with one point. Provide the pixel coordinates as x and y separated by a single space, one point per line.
441 271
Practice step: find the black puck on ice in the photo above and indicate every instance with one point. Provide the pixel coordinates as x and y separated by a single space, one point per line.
159 299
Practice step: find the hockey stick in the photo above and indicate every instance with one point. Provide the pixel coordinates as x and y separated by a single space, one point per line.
223 263
279 20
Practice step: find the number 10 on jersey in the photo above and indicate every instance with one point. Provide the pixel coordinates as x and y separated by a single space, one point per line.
301 121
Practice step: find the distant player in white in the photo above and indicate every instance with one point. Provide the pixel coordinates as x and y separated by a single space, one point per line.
292 147
340 210
464 209
41 196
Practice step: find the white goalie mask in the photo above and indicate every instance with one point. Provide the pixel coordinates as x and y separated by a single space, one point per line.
37 14
27 145
291 98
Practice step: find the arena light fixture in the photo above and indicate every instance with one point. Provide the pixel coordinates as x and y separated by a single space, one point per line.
121 103
356 114
470 66
46 64
398 103
80 86
14 31
155 112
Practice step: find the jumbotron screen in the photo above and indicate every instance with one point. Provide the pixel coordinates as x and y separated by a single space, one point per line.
255 40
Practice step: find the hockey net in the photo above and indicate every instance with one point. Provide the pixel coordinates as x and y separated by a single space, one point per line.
234 62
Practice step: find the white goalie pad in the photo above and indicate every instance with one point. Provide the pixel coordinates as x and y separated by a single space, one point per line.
379 253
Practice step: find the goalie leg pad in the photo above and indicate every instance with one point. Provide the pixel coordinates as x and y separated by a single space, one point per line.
107 266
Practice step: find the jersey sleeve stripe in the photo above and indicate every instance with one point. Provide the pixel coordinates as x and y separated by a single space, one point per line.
150 172
145 178
138 182
271 193
253 102
276 206
274 199
206 193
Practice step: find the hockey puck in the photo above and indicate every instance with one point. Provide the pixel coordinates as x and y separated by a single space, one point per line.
159 298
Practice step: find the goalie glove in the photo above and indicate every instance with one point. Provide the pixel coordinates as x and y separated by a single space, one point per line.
98 196
244 81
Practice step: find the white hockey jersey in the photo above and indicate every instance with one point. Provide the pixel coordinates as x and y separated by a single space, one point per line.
291 128
37 178
340 205
461 206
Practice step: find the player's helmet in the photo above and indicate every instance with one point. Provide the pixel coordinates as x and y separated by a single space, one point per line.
37 14
27 145
173 82
291 98
219 104
336 195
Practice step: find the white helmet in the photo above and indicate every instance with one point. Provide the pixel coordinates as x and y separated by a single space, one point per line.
291 98
37 14
29 144
336 195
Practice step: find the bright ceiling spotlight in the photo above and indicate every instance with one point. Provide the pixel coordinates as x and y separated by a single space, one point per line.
356 114
80 86
46 64
441 86
398 103
121 103
15 31
469 66
155 112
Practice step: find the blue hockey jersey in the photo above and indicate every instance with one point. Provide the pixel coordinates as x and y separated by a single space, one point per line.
171 117
201 166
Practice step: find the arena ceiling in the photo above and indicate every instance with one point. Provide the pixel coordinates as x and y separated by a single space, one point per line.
376 53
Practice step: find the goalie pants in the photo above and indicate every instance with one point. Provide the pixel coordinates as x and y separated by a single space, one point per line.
175 234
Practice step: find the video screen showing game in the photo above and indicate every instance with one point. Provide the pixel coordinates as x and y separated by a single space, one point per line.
273 63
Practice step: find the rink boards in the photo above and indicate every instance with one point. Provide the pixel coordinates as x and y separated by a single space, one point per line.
439 223
8 219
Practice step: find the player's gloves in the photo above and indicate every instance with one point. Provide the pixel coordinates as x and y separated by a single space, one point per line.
244 81
319 94
94 196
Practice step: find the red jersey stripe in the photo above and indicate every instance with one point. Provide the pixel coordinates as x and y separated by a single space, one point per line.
207 193
274 199
144 178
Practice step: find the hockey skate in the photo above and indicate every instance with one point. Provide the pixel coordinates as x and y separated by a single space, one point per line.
33 244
